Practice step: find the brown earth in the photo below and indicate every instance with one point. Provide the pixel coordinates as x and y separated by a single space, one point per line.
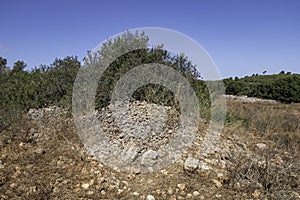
256 157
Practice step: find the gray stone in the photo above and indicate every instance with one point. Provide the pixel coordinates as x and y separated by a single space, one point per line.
131 154
261 146
217 183
203 165
150 197
191 164
149 158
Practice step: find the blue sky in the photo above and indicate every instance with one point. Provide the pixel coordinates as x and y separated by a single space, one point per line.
242 36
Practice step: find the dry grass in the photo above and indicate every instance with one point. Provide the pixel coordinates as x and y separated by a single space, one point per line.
275 170
265 118
55 168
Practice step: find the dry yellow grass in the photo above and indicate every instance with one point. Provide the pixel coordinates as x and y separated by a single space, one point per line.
58 167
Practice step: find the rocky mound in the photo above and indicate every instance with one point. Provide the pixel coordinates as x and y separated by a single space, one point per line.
136 136
248 99
46 160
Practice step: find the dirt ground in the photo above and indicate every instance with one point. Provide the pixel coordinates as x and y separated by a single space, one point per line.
45 159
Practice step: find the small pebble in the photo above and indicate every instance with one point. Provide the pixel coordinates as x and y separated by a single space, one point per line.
85 186
196 193
150 197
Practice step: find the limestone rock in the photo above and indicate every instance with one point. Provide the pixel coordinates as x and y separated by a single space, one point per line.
203 165
191 164
181 186
150 197
149 158
218 184
261 146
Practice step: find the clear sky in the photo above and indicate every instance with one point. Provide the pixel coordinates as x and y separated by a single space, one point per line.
242 36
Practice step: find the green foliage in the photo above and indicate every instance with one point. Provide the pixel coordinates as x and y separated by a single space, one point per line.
53 85
3 63
283 87
151 93
19 66
60 77
43 86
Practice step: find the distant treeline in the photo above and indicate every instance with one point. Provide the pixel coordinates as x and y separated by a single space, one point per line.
283 87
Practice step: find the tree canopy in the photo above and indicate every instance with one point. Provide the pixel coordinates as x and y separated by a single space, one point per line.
283 87
53 85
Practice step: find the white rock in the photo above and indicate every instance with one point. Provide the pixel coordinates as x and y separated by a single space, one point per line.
223 164
136 194
150 197
181 186
103 192
85 186
218 184
261 146
131 153
220 176
90 192
149 158
170 131
196 193
191 164
120 191
21 144
125 183
203 165
256 194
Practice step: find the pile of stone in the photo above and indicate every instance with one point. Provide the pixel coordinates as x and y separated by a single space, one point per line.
46 114
132 134
147 125
247 99
44 119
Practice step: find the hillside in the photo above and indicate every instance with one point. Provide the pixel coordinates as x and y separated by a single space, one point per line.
283 87
256 157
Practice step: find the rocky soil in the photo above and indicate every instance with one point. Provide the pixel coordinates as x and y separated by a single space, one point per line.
249 99
45 159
